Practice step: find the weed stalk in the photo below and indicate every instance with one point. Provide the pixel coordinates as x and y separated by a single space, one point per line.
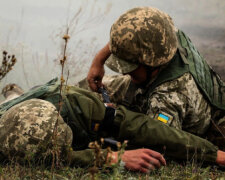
8 62
56 150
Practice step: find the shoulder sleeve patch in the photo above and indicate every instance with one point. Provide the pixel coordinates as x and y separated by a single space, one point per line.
164 117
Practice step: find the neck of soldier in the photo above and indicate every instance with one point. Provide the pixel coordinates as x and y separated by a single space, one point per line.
143 75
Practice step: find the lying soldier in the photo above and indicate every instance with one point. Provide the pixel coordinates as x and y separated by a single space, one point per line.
27 124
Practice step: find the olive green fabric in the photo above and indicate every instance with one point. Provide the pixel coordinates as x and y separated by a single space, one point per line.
81 158
209 82
80 108
142 131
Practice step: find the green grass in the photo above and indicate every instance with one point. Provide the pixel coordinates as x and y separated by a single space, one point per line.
171 171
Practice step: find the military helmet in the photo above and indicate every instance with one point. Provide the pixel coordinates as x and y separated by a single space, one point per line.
28 128
143 35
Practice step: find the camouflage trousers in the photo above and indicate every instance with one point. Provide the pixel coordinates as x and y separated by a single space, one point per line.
31 128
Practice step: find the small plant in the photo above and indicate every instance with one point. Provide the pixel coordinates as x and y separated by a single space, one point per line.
101 160
118 168
56 149
8 62
99 157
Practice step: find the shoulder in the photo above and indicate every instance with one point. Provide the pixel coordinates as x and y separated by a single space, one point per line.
182 84
109 81
116 80
117 86
182 91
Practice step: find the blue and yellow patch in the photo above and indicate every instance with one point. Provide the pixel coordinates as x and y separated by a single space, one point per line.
163 118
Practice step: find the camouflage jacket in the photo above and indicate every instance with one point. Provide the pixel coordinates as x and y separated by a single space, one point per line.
180 100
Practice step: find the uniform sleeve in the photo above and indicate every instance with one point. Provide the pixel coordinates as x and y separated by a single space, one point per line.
183 105
117 87
81 158
86 158
142 131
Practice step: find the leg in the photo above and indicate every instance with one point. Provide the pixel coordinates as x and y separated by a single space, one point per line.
27 128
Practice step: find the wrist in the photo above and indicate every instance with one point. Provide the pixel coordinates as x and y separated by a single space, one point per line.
112 158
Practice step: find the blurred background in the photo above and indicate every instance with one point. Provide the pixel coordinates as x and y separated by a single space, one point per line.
33 30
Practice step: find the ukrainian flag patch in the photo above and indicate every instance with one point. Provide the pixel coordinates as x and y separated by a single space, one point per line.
163 118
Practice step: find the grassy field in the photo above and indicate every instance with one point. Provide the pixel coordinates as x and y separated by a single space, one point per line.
190 171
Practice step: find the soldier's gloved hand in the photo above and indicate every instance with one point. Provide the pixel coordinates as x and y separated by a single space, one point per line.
97 71
142 160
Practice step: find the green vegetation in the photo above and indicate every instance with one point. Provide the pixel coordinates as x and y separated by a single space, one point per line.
172 171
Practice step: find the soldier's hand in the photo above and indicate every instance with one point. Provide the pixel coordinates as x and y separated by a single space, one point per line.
96 71
220 159
142 160
95 76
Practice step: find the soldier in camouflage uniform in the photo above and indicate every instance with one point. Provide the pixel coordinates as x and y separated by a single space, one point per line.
164 76
30 128
83 112
27 124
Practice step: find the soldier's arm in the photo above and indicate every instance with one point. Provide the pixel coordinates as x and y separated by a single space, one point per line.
143 131
96 71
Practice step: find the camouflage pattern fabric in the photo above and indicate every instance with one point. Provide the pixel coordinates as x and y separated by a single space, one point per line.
182 100
28 128
141 35
118 86
179 99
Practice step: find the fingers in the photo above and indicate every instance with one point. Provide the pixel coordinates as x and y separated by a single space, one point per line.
144 170
156 155
110 105
94 77
151 160
143 160
147 165
94 84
